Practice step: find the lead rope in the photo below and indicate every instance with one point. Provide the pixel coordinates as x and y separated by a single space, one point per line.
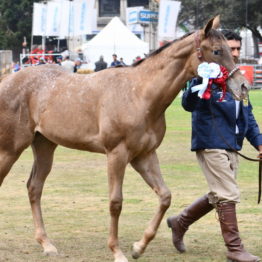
259 181
243 156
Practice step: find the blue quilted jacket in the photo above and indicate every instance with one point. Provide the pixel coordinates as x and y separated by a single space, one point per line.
214 123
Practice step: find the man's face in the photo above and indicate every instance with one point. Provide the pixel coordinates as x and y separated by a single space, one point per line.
235 46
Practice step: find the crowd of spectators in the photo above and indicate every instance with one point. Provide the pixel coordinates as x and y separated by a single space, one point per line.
72 64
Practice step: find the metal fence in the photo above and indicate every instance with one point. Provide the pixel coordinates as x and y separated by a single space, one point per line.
6 61
253 73
257 82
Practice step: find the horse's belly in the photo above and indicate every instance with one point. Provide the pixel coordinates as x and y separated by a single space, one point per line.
73 134
92 143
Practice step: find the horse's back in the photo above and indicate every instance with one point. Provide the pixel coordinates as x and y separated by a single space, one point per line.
77 111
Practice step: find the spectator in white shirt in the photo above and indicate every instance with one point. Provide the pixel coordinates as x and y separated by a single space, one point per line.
68 65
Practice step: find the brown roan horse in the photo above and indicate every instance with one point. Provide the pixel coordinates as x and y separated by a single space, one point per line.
119 112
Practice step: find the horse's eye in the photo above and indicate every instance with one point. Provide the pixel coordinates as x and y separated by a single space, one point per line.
217 52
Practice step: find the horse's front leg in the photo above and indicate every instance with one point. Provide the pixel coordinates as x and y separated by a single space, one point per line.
117 160
148 167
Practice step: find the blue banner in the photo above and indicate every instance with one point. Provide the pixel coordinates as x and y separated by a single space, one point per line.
147 16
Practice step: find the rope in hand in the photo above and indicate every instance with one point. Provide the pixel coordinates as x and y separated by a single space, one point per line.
259 171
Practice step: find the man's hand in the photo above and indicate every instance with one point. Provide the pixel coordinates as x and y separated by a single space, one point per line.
260 152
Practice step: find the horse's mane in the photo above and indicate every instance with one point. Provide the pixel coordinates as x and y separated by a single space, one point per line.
215 34
211 35
161 48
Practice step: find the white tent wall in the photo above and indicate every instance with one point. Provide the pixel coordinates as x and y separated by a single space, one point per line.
115 38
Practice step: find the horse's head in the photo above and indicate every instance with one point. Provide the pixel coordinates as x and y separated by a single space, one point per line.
211 46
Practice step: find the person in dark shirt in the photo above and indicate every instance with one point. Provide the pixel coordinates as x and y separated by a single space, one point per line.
100 64
115 61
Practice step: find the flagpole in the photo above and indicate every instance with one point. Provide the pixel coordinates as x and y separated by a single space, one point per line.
32 33
44 35
70 25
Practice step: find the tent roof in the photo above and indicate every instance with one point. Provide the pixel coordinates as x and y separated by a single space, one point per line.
116 38
116 34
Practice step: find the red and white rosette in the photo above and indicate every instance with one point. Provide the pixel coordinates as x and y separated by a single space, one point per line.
211 73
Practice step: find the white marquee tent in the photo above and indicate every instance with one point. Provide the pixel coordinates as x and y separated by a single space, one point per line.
115 38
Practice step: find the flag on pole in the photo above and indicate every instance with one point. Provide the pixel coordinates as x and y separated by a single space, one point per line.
39 19
54 17
168 13
83 15
64 18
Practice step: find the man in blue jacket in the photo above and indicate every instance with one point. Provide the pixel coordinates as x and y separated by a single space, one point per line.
218 128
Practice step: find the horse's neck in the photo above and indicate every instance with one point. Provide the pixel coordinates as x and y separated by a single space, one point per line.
166 73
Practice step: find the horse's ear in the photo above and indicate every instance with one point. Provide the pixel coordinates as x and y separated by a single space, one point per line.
213 23
216 22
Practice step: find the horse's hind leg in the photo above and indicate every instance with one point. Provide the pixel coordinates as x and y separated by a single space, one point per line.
148 167
43 150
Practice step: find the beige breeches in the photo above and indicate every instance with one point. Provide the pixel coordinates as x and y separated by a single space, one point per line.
220 169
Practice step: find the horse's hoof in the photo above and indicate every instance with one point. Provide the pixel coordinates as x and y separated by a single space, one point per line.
50 251
137 251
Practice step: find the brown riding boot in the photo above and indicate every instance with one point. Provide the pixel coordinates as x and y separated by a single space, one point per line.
179 224
228 222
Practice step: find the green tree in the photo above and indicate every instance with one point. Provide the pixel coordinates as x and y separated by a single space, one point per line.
235 15
15 24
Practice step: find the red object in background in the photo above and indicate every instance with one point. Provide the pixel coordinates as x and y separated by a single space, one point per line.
248 72
164 42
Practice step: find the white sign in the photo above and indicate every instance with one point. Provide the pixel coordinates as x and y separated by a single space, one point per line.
132 14
168 13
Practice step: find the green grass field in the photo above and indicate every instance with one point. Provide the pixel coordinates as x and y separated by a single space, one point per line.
75 204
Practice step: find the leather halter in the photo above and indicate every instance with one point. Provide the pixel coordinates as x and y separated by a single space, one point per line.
233 71
198 48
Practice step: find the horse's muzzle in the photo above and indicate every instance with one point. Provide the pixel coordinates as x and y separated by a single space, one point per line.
239 91
245 87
